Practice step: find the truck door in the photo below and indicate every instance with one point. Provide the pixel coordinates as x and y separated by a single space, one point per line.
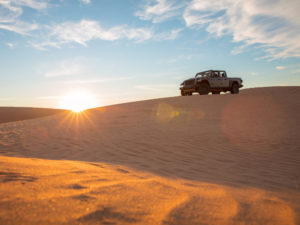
224 79
215 80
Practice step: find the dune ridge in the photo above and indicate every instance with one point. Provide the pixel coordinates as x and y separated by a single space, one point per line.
10 114
220 159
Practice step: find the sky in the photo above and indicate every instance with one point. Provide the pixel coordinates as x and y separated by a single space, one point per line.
129 50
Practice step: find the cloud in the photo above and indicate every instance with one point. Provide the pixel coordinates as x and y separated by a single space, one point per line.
85 1
168 35
294 68
10 45
11 10
56 35
86 30
34 4
271 25
19 27
159 10
280 67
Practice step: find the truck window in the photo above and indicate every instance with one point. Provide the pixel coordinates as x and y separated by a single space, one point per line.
216 74
206 74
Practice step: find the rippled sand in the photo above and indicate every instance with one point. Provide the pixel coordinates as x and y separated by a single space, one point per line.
227 159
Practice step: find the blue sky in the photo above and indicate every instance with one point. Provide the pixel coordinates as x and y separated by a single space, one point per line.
127 50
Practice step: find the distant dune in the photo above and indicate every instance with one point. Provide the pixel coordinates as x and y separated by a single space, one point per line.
217 159
8 114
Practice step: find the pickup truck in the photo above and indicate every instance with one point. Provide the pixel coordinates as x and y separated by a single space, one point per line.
214 81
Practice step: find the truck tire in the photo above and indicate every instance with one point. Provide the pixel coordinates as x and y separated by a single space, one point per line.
235 88
203 89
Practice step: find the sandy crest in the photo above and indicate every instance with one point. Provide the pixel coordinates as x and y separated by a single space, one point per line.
227 159
8 114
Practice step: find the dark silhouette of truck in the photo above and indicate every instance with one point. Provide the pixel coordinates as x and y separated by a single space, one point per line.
214 81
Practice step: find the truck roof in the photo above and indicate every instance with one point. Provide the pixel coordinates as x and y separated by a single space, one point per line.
209 71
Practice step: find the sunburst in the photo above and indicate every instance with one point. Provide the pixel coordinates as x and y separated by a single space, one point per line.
78 101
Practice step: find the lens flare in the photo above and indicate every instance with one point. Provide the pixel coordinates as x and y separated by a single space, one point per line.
165 113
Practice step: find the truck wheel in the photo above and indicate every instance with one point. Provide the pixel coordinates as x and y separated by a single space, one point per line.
235 89
203 89
215 92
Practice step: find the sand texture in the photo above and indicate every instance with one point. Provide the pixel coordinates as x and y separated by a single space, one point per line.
217 159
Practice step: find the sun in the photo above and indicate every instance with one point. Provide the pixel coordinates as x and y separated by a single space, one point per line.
77 101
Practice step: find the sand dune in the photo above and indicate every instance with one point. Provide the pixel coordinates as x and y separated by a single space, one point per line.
227 159
8 114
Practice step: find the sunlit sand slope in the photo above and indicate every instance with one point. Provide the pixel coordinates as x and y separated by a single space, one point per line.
35 191
242 148
249 139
